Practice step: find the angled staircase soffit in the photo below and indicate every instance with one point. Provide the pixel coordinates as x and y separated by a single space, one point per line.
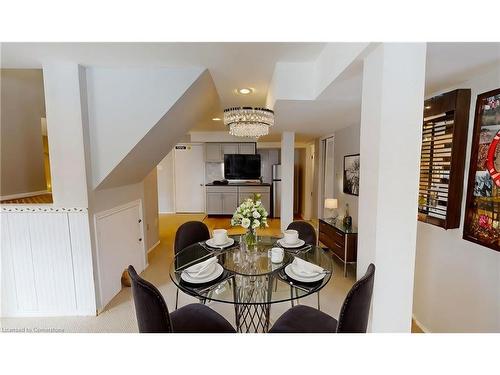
196 104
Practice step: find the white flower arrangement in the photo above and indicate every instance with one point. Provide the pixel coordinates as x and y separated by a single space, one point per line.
251 214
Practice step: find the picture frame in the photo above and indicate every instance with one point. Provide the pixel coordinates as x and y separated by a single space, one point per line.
482 215
351 174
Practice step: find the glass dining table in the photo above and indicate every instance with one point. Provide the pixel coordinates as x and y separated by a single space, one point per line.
250 281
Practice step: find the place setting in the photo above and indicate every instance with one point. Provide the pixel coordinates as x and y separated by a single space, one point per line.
306 274
292 242
219 241
203 275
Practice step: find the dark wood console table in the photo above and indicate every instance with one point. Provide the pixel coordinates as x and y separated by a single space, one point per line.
341 240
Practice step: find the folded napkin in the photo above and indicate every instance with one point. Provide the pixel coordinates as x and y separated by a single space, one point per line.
199 268
305 268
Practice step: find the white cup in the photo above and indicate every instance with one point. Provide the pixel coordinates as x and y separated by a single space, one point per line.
220 236
277 255
291 236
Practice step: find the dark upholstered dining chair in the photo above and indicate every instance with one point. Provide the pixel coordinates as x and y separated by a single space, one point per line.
353 316
153 316
307 233
188 234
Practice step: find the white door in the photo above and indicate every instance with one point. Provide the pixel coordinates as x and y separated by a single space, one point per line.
119 243
189 178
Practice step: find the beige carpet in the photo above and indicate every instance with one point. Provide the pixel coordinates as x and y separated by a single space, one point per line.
119 314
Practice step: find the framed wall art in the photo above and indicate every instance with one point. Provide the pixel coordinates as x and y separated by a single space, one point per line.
351 174
482 214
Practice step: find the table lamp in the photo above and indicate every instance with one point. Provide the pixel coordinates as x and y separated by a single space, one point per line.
332 204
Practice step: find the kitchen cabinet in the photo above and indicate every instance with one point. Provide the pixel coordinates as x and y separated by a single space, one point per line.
214 152
229 148
224 199
229 203
246 148
214 203
245 192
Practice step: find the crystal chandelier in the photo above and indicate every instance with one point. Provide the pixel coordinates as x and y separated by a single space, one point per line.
248 121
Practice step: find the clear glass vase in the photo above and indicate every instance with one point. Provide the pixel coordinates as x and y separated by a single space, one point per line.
250 238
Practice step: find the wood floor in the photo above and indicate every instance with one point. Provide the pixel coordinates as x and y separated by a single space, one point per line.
36 199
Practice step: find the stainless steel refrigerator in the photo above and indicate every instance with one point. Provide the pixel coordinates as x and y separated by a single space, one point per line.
276 181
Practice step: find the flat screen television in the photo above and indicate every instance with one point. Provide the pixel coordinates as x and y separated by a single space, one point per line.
241 167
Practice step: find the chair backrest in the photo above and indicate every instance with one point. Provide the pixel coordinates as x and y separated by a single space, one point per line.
355 310
306 231
190 233
150 307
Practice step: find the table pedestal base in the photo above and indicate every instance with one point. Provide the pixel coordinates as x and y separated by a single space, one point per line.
252 317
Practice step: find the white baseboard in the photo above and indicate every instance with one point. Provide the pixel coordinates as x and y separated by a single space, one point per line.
166 212
420 325
152 247
23 195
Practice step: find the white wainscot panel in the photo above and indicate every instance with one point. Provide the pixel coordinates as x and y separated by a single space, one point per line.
52 264
18 282
82 263
46 263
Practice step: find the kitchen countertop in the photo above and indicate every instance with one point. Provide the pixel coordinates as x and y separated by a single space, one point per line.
241 184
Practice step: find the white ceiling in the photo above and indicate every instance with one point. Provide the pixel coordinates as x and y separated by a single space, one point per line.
234 65
452 63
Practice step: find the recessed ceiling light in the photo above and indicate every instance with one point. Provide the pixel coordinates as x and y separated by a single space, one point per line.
216 119
245 91
428 107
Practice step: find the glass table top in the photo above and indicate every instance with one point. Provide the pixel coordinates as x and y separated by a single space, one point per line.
249 276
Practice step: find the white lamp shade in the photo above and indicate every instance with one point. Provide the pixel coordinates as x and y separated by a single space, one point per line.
331 203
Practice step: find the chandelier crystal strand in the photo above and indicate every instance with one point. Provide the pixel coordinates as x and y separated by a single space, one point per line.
248 121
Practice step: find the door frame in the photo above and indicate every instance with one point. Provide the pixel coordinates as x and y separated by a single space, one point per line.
321 172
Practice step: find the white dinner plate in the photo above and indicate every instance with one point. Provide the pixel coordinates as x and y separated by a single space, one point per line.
299 243
211 243
205 279
208 271
310 279
302 273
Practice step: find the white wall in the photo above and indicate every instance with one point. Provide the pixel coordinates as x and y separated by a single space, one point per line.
457 283
23 106
224 136
346 143
151 209
66 142
166 187
287 171
124 104
393 89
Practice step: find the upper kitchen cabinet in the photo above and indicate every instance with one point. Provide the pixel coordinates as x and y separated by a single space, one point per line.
229 148
214 152
246 148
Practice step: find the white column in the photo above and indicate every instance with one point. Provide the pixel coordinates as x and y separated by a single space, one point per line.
65 133
287 163
390 140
